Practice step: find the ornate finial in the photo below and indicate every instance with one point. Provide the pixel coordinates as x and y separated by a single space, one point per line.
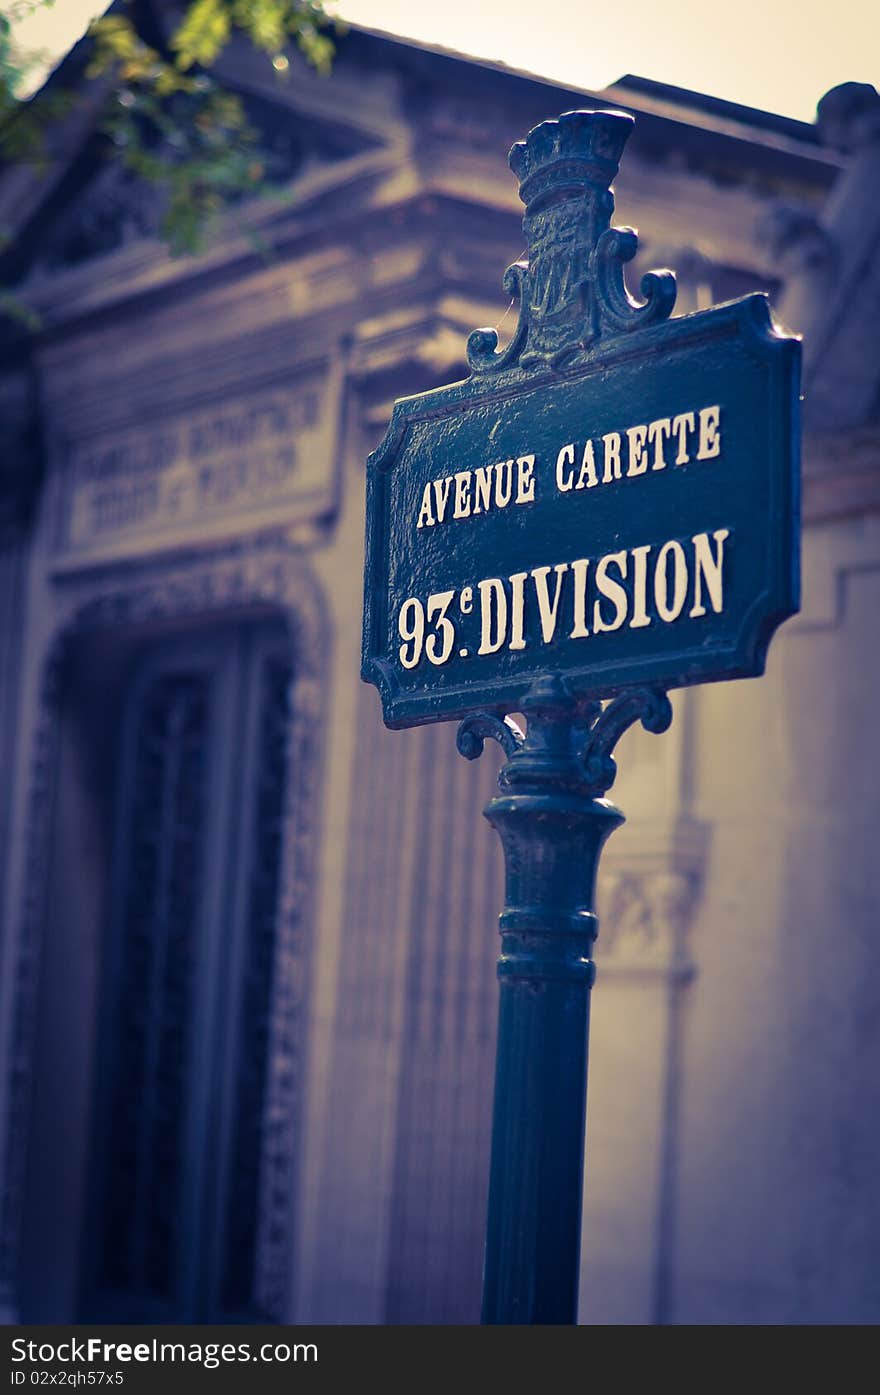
571 289
579 152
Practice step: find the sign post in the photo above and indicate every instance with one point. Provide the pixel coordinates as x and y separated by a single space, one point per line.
605 509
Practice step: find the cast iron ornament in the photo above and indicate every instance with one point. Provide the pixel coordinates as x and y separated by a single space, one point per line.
571 290
611 498
604 509
594 731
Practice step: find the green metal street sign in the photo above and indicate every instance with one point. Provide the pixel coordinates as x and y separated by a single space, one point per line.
611 499
605 508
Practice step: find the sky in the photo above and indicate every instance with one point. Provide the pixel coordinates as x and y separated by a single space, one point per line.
779 55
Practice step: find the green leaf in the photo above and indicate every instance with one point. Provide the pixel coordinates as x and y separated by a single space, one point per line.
167 119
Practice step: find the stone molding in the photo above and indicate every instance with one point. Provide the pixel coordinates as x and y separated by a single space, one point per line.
234 582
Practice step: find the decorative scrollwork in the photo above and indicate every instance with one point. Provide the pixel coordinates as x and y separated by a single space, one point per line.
482 344
618 310
651 706
568 742
473 731
571 290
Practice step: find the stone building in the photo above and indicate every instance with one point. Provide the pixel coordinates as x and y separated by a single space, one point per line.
248 996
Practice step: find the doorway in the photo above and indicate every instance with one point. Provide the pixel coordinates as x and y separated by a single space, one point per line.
184 1039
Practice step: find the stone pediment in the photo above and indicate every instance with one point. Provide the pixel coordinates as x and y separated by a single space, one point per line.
85 202
113 207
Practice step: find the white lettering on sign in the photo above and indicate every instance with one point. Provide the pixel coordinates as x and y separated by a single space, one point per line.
477 491
632 588
267 451
617 455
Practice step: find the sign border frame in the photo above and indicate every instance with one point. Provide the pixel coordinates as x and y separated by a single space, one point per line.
747 318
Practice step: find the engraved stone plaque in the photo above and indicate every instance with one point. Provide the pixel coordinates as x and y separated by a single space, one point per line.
261 459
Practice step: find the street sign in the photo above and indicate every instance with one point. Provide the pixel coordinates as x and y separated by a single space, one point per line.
612 498
607 507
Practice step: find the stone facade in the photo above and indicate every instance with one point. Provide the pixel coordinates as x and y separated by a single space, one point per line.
183 443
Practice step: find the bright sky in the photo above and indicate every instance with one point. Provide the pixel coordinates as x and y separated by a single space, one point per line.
780 55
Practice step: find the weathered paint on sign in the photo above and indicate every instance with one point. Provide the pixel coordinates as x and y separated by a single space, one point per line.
613 498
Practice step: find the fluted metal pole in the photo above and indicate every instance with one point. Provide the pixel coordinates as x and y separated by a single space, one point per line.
553 823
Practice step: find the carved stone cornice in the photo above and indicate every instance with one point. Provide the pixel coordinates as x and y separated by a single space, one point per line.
411 348
423 341
340 194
